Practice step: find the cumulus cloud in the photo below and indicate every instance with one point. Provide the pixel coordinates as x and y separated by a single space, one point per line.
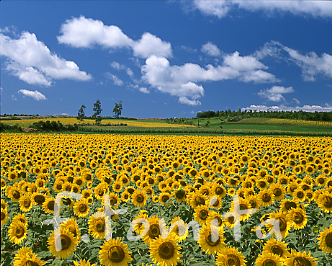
181 81
34 94
305 108
151 45
221 8
211 49
275 93
31 61
86 33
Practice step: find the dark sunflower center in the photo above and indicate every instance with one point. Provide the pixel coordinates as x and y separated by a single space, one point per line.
39 199
116 254
328 240
282 224
298 218
219 220
180 194
277 192
66 201
232 260
299 261
289 205
166 250
16 194
30 263
100 226
3 215
266 197
50 205
164 198
300 194
277 250
19 232
154 231
83 208
327 202
65 242
140 199
203 214
219 191
253 203
113 201
27 203
209 241
269 262
199 200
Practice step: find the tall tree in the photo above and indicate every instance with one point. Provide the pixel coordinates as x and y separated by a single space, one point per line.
81 114
97 111
117 110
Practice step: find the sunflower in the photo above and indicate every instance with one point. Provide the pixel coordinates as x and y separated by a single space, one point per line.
67 240
253 202
58 185
214 218
265 197
211 239
83 263
72 226
267 258
20 217
276 247
139 198
114 252
164 197
17 232
278 191
179 228
325 201
325 240
125 196
25 256
38 198
97 226
219 190
154 230
48 205
4 216
287 204
117 186
299 194
300 258
201 214
14 194
198 199
100 190
25 203
165 251
298 218
230 256
284 224
81 207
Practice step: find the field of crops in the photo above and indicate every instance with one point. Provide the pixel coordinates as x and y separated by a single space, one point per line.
80 199
72 121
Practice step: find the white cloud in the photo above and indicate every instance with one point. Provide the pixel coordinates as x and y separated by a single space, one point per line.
221 8
305 108
275 93
296 100
151 45
117 66
311 64
86 32
115 79
185 100
211 49
34 94
144 90
31 61
14 98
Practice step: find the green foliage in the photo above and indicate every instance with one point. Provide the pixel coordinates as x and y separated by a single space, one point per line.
97 111
9 128
53 126
81 113
117 110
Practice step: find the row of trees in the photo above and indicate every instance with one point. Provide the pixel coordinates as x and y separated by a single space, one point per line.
299 115
97 111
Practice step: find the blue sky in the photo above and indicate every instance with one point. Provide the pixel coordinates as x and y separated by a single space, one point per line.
165 58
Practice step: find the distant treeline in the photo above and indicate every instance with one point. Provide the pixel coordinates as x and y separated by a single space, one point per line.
111 117
300 115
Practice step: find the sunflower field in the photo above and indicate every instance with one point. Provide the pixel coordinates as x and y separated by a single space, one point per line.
165 200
